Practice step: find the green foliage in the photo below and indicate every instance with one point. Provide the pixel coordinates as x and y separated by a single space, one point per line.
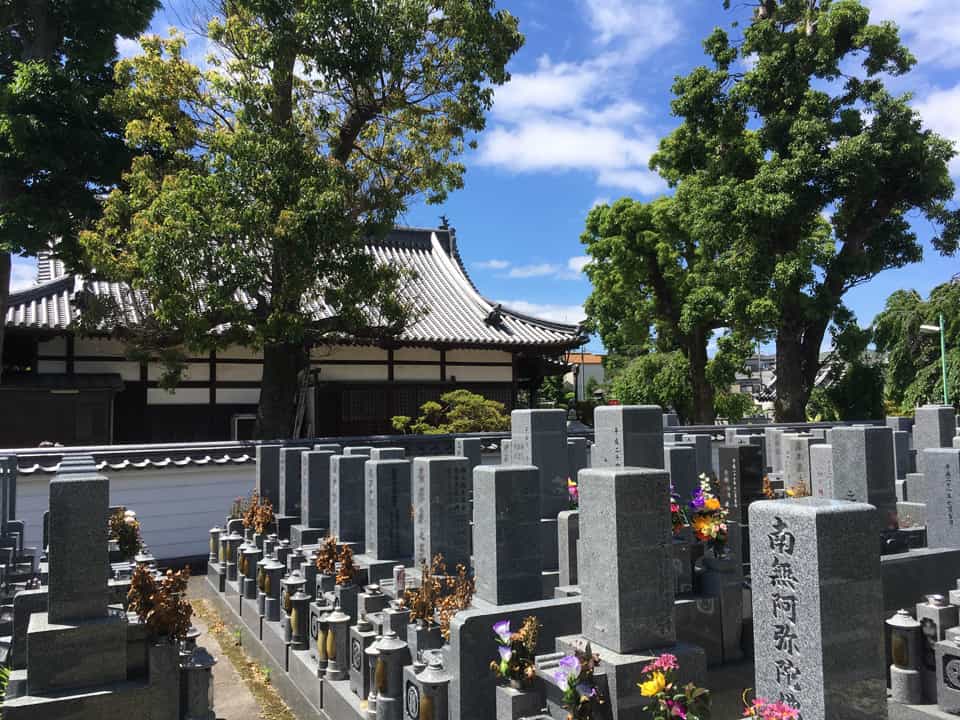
555 390
808 130
585 410
658 287
820 407
59 148
913 374
734 406
459 411
256 181
656 379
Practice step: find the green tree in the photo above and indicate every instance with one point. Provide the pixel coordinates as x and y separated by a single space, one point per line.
459 411
59 148
257 181
803 132
657 286
656 379
735 406
913 375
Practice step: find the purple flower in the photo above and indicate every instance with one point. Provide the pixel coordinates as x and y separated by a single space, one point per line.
505 653
569 666
502 631
586 690
697 500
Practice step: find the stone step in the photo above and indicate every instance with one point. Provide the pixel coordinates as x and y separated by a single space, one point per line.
121 699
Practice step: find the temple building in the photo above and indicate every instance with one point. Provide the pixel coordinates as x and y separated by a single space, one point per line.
80 389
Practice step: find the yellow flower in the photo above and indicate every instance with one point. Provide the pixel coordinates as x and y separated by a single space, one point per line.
712 504
654 685
790 492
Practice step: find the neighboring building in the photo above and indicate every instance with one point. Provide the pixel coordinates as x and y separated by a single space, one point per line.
584 367
77 389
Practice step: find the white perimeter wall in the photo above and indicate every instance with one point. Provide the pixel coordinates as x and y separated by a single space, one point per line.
176 506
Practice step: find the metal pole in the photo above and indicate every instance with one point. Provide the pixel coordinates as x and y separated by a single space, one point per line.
943 362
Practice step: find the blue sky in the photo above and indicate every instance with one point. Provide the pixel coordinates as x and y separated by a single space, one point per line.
589 99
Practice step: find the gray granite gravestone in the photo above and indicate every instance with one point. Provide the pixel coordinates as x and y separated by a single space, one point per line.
568 526
901 453
387 453
471 448
897 423
796 461
539 438
934 427
335 448
863 469
290 481
774 444
818 607
702 446
576 455
347 498
506 533
627 436
268 473
821 471
389 525
942 478
441 510
680 461
506 452
314 497
358 450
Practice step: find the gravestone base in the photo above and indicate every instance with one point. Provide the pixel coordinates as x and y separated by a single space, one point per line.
727 586
251 617
513 704
53 650
231 589
623 671
700 623
303 672
217 575
378 570
284 524
301 535
340 703
273 639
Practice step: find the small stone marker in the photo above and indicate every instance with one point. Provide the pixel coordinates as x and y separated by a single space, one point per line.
942 480
628 436
817 607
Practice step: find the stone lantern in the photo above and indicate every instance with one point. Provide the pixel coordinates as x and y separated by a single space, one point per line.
214 544
282 551
394 654
425 696
337 642
262 584
372 654
251 559
905 683
197 678
273 572
299 619
233 545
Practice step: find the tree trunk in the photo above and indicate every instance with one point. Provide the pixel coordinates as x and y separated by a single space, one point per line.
798 360
703 391
282 363
6 261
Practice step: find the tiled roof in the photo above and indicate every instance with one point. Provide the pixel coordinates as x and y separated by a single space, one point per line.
456 313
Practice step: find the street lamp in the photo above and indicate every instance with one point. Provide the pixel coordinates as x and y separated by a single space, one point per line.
933 330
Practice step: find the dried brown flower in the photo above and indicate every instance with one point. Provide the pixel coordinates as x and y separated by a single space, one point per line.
258 514
346 570
125 529
327 556
439 597
161 604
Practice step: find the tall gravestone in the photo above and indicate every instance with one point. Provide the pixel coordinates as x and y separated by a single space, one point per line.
863 468
703 447
942 482
627 436
818 608
540 439
441 509
347 497
314 498
268 474
934 427
680 461
821 471
796 461
901 453
740 483
627 599
389 522
774 445
506 533
290 481
471 448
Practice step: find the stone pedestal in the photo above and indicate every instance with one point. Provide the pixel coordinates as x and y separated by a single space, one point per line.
515 704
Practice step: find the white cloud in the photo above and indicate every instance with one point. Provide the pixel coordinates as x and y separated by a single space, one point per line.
531 271
939 113
23 273
492 264
578 263
600 200
930 28
127 47
557 313
572 116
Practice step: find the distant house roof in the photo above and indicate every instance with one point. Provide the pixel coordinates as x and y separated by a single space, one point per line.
587 359
456 313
